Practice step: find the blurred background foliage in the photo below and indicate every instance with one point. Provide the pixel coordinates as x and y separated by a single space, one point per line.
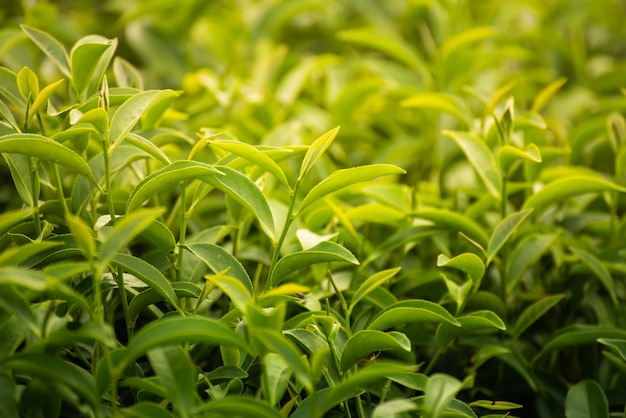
394 74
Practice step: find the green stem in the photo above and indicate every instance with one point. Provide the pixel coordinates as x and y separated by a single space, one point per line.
283 234
182 232
59 185
34 189
432 362
359 407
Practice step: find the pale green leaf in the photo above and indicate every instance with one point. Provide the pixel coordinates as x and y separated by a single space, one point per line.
509 155
324 252
561 189
440 390
440 102
45 149
253 155
148 274
168 177
343 178
372 282
124 231
315 151
85 60
481 158
455 221
463 39
178 376
467 262
503 232
275 377
50 46
544 96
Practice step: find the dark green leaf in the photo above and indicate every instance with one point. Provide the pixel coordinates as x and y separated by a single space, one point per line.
456 222
533 313
218 260
586 400
503 231
366 342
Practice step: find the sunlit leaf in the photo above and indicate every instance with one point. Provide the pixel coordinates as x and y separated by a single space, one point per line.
366 342
372 283
51 47
411 311
509 155
481 158
544 96
45 149
315 151
561 189
346 177
440 102
129 113
503 232
466 262
324 252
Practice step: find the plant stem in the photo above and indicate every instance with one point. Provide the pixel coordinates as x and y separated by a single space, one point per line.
59 185
283 234
34 190
182 231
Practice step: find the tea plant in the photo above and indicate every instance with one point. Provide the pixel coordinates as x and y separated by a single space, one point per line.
454 249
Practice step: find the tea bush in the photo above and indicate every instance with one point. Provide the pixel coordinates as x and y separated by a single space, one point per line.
312 208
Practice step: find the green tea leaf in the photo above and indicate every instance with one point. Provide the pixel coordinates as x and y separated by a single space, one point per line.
481 158
321 401
411 311
599 269
504 230
277 373
45 149
455 221
8 88
125 231
439 392
440 102
561 189
13 303
575 335
466 262
86 61
495 405
370 284
343 178
253 155
245 192
20 167
546 94
15 256
586 399
83 235
178 376
365 342
527 252
126 75
483 321
324 252
8 403
240 406
146 410
234 288
168 177
617 345
167 331
390 45
57 370
8 116
148 274
50 46
150 296
532 313
463 39
129 112
148 147
315 151
509 155
27 84
393 408
218 259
